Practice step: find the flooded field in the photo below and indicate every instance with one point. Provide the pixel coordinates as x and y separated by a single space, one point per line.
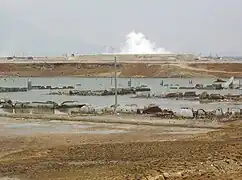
104 83
36 144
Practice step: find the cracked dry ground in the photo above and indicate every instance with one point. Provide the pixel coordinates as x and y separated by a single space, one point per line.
216 155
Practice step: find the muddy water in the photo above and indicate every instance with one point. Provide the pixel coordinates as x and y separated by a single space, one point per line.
102 83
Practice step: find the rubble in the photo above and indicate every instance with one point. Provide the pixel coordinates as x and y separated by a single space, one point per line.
204 95
192 95
12 89
207 98
170 95
106 92
152 110
74 107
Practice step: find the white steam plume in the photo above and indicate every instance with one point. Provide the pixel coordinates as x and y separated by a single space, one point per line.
137 43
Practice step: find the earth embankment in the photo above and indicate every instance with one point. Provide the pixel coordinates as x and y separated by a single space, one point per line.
223 70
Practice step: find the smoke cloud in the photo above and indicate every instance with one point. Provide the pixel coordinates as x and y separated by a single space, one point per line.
137 43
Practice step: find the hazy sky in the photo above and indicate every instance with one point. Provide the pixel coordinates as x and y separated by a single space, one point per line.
53 27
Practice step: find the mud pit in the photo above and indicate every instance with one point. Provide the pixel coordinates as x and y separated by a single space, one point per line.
142 152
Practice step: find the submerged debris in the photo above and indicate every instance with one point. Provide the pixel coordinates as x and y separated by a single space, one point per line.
106 92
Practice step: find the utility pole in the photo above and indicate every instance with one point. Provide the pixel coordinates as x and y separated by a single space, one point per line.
115 82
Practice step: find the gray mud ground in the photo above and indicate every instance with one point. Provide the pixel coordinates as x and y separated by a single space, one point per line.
46 148
129 124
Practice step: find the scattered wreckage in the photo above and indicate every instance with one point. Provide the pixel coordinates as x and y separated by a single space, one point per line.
186 112
74 107
192 95
105 92
208 98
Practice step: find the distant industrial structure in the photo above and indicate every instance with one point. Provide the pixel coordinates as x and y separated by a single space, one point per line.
121 58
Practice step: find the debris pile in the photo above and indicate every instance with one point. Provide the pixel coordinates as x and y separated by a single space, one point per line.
170 95
74 107
106 92
204 97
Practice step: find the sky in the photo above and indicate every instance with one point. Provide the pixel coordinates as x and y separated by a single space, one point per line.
54 27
